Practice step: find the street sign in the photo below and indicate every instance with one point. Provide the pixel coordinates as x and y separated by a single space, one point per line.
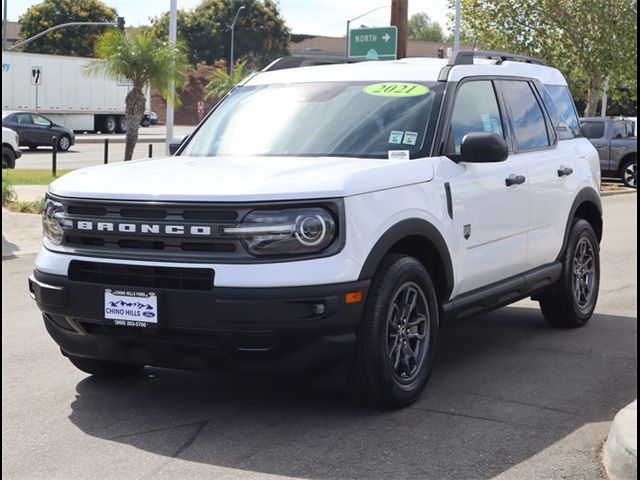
36 75
373 43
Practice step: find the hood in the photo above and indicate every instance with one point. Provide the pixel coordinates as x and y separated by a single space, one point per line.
240 179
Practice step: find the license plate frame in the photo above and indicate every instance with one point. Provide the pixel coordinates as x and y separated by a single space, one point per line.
125 307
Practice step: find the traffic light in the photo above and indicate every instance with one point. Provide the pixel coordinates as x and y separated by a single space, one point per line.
121 24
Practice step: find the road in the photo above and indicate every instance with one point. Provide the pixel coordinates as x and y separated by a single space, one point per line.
510 398
89 154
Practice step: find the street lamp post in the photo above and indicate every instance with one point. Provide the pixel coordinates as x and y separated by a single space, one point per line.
233 31
356 18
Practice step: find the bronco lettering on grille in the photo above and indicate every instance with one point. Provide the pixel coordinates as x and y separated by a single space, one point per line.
144 228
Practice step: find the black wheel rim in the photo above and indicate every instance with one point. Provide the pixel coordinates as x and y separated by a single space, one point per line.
631 175
408 332
584 273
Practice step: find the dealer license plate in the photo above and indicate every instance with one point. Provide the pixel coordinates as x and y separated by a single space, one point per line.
129 308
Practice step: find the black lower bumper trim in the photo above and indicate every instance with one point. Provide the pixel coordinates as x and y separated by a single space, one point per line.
229 329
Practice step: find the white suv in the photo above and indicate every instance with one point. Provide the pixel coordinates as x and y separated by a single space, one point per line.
327 214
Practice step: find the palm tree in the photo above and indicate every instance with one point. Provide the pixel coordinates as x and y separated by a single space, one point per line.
144 60
220 82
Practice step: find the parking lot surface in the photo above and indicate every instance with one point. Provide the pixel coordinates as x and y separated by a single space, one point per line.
510 398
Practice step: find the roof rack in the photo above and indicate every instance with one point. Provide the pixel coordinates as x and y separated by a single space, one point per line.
307 61
465 57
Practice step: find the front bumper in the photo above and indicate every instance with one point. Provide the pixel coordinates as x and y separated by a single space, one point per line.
253 330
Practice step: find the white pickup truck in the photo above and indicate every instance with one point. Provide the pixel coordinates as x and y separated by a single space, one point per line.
10 152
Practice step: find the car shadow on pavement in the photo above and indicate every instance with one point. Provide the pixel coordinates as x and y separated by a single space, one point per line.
506 386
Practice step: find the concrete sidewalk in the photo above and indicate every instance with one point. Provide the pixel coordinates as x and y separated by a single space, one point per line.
21 233
30 193
621 448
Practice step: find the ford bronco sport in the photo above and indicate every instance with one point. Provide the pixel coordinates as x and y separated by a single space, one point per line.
330 213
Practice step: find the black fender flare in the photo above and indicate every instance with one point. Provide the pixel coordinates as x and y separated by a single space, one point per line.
411 227
586 196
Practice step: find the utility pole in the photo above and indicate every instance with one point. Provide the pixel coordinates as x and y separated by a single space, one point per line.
4 26
173 34
233 38
400 19
456 32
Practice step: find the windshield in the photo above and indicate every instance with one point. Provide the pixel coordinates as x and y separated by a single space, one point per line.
320 119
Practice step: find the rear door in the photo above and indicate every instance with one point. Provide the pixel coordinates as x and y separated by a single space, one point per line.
23 125
491 217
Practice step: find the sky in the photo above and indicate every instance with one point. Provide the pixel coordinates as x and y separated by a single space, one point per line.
317 17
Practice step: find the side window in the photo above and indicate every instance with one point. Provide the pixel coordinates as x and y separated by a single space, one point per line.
39 120
475 110
528 119
567 113
592 129
23 119
619 130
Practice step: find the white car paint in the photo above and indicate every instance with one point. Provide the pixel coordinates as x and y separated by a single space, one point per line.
513 229
10 138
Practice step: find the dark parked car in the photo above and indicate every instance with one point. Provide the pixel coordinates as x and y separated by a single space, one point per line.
617 146
36 130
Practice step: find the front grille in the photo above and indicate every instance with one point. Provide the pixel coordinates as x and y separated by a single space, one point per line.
155 242
141 276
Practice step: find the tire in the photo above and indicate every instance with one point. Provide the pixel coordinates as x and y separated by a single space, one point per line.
572 301
629 173
8 158
64 143
145 122
122 124
381 374
109 124
103 368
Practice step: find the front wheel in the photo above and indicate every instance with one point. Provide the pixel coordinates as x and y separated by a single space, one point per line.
630 173
64 143
571 303
8 158
396 340
103 368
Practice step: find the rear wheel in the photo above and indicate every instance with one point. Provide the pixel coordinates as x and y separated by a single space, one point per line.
397 337
8 158
629 172
109 124
122 124
103 368
571 303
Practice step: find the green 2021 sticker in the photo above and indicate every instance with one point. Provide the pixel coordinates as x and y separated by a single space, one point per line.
395 89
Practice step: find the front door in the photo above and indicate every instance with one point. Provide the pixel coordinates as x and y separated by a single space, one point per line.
490 217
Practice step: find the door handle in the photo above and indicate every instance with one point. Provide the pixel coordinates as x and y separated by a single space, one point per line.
515 180
565 171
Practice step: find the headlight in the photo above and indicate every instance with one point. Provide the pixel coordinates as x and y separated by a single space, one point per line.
285 232
53 221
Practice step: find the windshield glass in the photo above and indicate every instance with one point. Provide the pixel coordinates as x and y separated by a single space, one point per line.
320 119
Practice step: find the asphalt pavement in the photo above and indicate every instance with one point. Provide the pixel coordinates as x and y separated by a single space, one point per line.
510 398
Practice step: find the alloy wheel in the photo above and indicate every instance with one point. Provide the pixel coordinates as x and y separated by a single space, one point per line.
584 273
631 175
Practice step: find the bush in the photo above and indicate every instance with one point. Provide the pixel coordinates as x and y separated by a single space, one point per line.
8 193
37 206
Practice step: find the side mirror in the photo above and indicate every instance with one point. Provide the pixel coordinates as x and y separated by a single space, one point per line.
483 147
176 143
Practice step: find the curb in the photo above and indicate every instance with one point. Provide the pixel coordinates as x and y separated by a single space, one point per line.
621 448
114 140
618 192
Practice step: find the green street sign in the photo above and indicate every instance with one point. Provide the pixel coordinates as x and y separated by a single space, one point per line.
373 43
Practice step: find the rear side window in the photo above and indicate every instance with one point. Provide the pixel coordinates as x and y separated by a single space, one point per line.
23 118
475 110
528 118
592 129
566 108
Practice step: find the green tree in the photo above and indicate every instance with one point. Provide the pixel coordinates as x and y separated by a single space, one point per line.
261 33
220 82
144 60
422 28
75 41
588 40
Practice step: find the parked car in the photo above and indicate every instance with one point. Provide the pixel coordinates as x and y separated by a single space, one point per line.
635 124
36 130
9 148
617 146
331 217
149 119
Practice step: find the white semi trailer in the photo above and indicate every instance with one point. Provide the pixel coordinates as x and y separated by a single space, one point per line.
59 87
